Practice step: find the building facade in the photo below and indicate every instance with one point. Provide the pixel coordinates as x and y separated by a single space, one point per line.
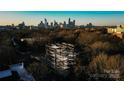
117 31
60 56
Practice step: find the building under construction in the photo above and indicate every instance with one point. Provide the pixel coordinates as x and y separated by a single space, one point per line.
60 56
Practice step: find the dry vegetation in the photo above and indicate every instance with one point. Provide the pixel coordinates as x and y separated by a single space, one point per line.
97 52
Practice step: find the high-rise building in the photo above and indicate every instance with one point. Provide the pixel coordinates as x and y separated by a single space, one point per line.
89 25
69 21
41 25
74 22
64 25
71 24
46 23
21 25
51 26
56 24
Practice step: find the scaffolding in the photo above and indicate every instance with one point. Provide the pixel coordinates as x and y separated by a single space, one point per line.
60 56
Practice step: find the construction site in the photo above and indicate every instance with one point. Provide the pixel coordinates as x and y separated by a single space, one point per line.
60 56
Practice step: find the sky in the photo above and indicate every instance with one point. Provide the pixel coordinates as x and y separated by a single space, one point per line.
82 17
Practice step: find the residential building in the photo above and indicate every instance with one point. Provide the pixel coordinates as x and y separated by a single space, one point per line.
117 31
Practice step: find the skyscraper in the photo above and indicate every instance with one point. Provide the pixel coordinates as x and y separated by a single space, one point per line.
71 24
46 23
41 25
64 25
69 20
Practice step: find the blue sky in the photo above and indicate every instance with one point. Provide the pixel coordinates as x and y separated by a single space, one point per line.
81 17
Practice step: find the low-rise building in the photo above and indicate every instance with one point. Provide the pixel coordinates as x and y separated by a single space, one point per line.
117 31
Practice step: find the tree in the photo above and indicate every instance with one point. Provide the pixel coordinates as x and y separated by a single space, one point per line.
7 55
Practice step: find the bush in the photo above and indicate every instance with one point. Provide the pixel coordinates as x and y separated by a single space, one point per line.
106 65
88 38
38 70
7 55
99 47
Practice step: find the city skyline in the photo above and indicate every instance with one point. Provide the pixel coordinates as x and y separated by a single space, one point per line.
81 17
